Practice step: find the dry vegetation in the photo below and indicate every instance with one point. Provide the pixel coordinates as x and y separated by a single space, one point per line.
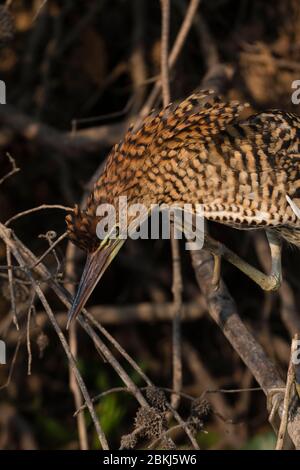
165 372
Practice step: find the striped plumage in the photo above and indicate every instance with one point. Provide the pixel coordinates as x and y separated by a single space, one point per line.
244 173
201 151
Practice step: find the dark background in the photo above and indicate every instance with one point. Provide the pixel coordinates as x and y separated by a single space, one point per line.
73 60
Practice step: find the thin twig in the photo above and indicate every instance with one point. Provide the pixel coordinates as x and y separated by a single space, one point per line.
119 348
13 363
175 51
50 249
87 141
50 236
177 279
14 168
171 391
103 349
11 288
101 395
176 325
131 313
164 67
206 381
137 63
286 400
39 9
166 433
36 209
74 387
31 307
183 32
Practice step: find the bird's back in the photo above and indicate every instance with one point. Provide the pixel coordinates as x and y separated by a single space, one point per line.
241 171
245 175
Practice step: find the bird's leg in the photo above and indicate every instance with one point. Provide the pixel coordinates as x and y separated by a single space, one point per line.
275 248
274 399
266 282
217 271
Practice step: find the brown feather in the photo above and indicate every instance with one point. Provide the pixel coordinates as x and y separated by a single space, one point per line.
201 152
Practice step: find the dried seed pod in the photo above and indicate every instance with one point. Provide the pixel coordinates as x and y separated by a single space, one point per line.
156 398
200 408
150 421
128 441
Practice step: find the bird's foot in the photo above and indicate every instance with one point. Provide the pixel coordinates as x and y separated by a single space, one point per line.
267 282
274 398
272 282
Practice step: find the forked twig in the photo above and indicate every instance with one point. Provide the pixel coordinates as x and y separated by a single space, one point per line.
50 249
175 51
14 168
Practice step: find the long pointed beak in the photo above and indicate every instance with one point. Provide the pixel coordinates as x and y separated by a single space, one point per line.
95 266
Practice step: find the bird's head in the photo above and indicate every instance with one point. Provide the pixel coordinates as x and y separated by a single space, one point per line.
82 230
